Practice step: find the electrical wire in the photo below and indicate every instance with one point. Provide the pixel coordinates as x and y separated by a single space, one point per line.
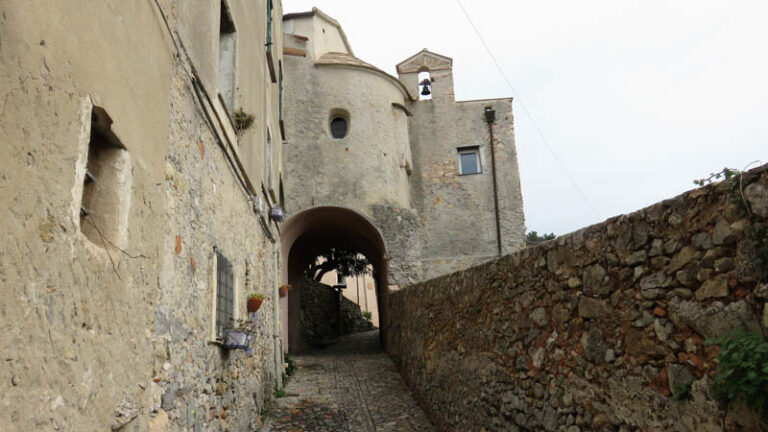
525 110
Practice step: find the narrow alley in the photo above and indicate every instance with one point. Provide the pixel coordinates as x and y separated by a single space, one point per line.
351 386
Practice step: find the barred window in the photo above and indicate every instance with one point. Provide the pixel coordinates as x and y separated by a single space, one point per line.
225 295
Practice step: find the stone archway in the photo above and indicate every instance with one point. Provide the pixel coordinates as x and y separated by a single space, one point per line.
311 232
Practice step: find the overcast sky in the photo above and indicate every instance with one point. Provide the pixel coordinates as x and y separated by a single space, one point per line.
636 98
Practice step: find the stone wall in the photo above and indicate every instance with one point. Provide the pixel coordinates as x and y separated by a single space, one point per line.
593 330
114 333
320 321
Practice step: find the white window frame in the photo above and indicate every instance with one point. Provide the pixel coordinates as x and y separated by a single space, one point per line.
474 149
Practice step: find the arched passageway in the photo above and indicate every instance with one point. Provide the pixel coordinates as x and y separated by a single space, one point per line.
312 232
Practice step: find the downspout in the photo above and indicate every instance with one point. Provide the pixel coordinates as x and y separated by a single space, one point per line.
490 117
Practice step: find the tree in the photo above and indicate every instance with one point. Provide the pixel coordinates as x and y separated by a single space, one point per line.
532 238
344 261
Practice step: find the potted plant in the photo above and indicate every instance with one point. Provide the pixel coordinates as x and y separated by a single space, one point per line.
283 290
254 302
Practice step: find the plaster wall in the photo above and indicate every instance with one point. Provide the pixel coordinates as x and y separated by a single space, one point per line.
107 337
351 171
459 209
254 91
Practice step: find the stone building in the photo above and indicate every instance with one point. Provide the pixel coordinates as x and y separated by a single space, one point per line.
412 182
135 217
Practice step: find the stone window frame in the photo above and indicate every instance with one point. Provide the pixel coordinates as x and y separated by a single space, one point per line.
471 149
218 261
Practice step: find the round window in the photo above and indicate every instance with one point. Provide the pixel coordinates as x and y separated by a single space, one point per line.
338 127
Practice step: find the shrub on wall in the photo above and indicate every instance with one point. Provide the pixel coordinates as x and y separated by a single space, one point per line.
742 374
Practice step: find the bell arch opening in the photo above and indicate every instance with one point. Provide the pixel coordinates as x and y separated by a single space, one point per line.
313 232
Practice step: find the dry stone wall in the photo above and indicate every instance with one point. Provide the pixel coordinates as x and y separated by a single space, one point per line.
594 330
320 320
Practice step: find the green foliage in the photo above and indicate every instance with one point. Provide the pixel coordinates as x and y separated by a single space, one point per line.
367 315
290 369
346 262
757 247
682 391
242 120
257 296
725 174
742 374
279 393
533 238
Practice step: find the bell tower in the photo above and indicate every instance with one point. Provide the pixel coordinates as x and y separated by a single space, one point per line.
428 76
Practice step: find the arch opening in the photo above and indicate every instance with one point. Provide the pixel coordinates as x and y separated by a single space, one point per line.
314 232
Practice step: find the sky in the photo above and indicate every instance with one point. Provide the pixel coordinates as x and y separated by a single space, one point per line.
635 99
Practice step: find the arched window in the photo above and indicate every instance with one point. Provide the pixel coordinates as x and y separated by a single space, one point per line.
339 123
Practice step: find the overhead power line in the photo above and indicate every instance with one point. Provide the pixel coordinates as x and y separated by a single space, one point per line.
525 110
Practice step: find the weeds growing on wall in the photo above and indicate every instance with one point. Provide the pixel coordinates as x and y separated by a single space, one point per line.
742 374
725 174
242 120
682 391
757 245
367 315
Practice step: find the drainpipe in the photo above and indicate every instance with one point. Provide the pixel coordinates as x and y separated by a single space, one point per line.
490 117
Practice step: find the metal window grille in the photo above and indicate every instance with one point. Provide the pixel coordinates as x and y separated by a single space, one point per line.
225 295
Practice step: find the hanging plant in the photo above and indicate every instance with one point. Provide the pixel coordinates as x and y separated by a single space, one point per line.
254 302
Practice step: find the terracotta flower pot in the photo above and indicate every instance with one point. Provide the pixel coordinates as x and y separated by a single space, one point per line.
283 290
254 304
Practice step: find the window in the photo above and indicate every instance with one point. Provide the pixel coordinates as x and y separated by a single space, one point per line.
106 184
425 85
227 58
270 60
469 160
340 280
225 295
268 177
338 128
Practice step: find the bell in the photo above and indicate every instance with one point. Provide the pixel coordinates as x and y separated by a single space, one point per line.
426 84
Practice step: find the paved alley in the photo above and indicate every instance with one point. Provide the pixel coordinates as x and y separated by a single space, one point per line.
351 386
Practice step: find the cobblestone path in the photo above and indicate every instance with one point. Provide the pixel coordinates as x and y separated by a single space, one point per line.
351 386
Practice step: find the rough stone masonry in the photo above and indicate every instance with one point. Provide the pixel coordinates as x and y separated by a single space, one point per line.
593 331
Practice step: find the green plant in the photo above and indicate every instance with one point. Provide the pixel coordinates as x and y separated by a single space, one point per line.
682 391
533 238
725 174
257 296
742 374
757 245
290 367
242 120
367 315
279 393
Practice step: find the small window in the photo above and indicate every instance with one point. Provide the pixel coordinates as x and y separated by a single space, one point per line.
227 57
225 295
338 127
340 280
268 177
105 184
469 161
